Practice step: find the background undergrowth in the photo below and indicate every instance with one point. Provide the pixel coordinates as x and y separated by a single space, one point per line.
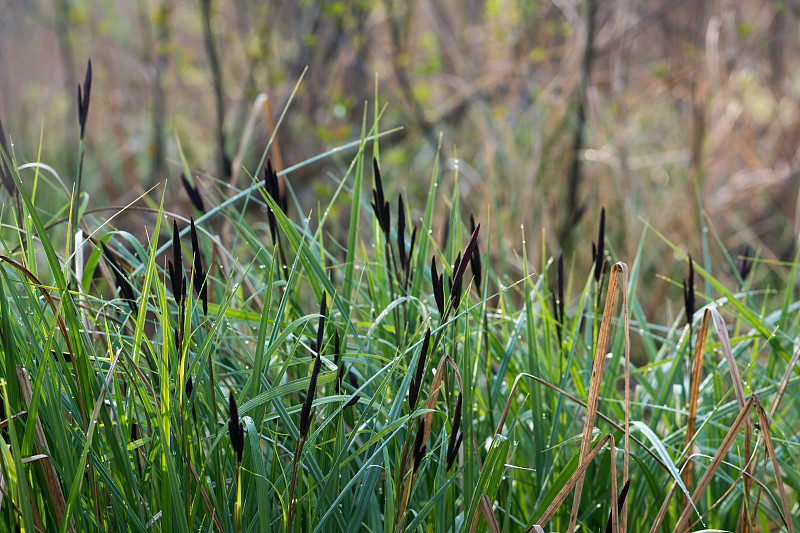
257 366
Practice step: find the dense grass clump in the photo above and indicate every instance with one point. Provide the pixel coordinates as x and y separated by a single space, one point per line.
258 369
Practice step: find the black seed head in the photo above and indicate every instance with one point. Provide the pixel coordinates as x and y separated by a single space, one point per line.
177 256
305 413
411 250
379 204
475 260
401 231
597 252
455 437
437 281
419 444
620 502
688 293
337 352
744 262
83 99
273 187
199 278
451 456
194 194
472 245
178 341
235 427
176 266
352 401
188 387
416 381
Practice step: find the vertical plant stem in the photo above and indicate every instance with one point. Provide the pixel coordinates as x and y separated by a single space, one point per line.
216 74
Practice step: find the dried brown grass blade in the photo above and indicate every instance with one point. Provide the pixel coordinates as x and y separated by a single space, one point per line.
725 344
502 421
662 512
726 444
600 415
48 470
764 419
785 381
49 299
627 435
556 503
594 387
697 374
485 507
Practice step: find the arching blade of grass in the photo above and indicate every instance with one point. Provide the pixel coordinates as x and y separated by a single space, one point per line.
726 444
556 502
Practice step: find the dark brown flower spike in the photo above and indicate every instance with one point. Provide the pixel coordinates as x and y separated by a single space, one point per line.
83 98
688 295
437 281
235 427
597 250
177 256
305 412
178 340
337 355
419 444
472 245
194 194
456 285
272 184
455 436
188 387
620 502
416 381
121 281
5 172
352 401
199 278
744 263
175 267
401 231
379 204
411 251
475 260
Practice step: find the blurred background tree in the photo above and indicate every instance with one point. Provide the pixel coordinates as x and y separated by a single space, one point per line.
548 110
